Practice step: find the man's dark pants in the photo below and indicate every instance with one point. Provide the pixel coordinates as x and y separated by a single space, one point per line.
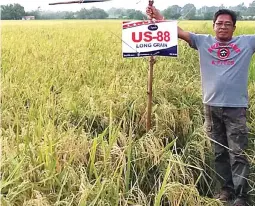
227 127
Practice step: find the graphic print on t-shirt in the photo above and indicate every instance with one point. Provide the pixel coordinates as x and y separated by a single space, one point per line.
223 52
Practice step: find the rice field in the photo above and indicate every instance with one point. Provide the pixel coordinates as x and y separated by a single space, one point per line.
73 120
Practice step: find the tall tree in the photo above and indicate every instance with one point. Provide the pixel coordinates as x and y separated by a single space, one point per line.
116 12
93 13
172 12
96 13
12 12
251 9
188 11
239 8
35 13
135 14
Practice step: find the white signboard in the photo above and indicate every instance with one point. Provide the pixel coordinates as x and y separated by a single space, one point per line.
146 38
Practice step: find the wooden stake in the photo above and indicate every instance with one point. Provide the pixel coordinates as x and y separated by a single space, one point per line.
149 92
150 83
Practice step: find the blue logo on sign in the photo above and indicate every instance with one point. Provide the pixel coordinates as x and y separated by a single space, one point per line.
153 27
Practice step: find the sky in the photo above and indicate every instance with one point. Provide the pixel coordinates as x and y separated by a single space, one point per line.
129 4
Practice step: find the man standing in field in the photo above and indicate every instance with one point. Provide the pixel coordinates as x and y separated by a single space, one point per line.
224 66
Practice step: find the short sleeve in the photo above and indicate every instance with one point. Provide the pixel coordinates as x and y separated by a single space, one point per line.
197 40
251 41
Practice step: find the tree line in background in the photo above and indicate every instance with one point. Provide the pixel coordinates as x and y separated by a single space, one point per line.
188 11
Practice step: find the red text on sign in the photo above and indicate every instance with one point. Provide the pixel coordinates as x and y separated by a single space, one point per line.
147 36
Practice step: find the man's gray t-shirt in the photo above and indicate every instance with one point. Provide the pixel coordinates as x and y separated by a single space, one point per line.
224 69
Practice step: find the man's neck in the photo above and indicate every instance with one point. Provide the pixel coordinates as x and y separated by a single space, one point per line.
223 40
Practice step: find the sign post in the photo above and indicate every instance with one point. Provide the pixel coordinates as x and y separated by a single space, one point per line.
149 38
149 89
149 93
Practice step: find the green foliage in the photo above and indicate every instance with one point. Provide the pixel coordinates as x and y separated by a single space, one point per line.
134 14
188 11
173 12
251 9
93 13
12 12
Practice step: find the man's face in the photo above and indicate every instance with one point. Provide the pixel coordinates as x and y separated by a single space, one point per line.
224 27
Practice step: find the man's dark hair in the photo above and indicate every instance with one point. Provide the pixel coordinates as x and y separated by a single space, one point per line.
225 11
